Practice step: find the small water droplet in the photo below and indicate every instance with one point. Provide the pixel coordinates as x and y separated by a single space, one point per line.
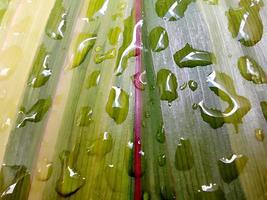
84 117
183 86
139 80
259 133
110 54
113 35
193 85
160 136
162 160
93 79
195 106
211 191
101 146
184 159
44 170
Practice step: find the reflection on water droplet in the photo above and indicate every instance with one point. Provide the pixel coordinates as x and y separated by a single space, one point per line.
210 192
172 10
259 134
162 160
230 168
70 181
167 84
184 159
222 85
41 72
35 113
44 170
251 70
84 43
15 181
160 136
245 22
183 86
139 80
118 105
93 79
84 117
56 25
190 57
193 85
159 39
110 54
101 146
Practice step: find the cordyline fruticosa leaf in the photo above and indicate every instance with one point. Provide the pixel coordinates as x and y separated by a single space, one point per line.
132 99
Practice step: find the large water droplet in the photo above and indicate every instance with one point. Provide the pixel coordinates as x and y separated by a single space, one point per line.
159 39
251 70
70 181
245 22
222 85
118 105
35 113
230 168
190 57
167 84
101 146
56 24
172 10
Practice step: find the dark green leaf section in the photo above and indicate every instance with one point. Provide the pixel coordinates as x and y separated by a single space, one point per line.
127 49
14 182
190 57
251 70
27 133
245 22
3 7
172 10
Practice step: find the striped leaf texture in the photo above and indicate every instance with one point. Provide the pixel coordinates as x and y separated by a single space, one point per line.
133 99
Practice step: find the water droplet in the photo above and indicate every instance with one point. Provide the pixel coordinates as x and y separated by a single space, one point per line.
251 70
93 79
190 57
211 191
184 159
245 22
160 136
172 10
259 135
222 85
232 167
183 86
167 193
195 106
130 47
110 54
162 159
139 80
85 42
264 109
44 170
15 181
35 113
70 181
118 105
167 84
84 117
113 35
159 39
193 85
101 146
112 175
98 48
40 73
56 25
